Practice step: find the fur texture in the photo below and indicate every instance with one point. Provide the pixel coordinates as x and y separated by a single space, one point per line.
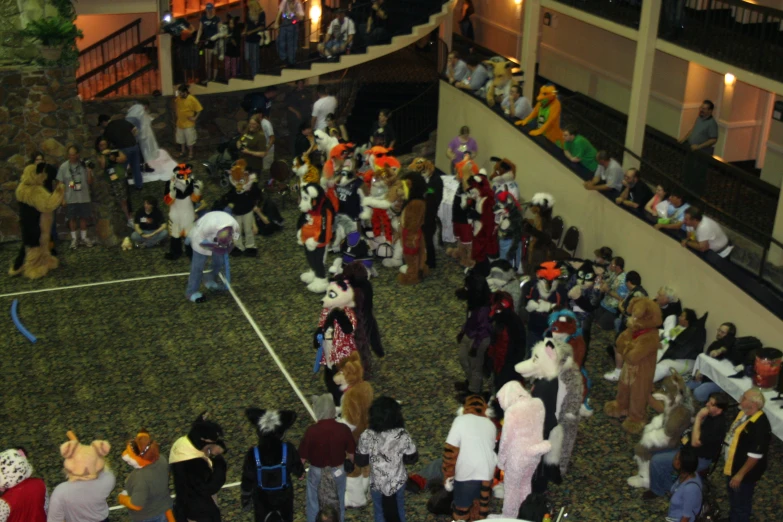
546 101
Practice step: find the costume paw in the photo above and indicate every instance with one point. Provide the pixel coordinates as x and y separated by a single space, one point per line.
198 297
639 482
404 269
392 262
499 491
448 484
311 244
585 410
336 267
612 409
307 277
127 244
633 427
318 285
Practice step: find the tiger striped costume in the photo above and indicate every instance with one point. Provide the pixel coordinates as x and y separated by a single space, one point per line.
478 446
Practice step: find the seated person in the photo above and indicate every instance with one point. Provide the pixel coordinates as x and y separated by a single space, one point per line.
669 302
477 75
657 206
339 36
516 106
382 133
578 149
608 175
722 346
636 193
705 234
705 438
149 226
615 291
456 70
681 345
675 212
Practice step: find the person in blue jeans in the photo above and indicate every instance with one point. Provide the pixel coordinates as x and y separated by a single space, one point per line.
326 445
721 347
289 16
705 438
212 236
387 448
685 504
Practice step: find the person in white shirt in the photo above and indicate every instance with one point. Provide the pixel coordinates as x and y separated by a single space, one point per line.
269 133
705 234
515 105
456 70
325 104
469 458
608 175
339 36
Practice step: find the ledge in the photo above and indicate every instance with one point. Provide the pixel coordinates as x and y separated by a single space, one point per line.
700 280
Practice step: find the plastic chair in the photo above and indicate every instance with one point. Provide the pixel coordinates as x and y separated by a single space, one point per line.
281 181
571 240
556 229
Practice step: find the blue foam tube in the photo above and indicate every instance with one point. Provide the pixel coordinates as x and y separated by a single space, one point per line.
18 323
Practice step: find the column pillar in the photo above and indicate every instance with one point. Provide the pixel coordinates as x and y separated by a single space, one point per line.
164 65
446 31
642 80
530 33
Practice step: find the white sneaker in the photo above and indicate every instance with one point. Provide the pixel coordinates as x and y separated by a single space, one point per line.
87 242
74 244
612 376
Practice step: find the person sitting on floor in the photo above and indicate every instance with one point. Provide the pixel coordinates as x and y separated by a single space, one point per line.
669 302
722 346
705 438
687 342
149 226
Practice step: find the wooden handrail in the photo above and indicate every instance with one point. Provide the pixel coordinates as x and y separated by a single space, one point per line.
108 90
112 35
101 68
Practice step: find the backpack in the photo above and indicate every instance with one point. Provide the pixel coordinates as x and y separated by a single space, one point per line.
709 506
272 478
534 508
745 349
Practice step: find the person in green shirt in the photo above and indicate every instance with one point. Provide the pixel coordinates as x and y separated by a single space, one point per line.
578 149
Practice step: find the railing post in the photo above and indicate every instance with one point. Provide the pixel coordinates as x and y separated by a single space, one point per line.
164 65
529 52
642 78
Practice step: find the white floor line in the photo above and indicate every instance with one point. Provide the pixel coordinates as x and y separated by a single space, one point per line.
270 350
225 486
87 285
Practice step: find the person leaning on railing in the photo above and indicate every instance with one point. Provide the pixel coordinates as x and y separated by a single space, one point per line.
289 16
675 212
705 234
636 192
456 70
256 22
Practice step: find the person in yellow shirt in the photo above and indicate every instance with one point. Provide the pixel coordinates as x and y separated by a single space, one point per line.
188 109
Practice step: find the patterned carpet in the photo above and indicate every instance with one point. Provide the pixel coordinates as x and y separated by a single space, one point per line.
112 359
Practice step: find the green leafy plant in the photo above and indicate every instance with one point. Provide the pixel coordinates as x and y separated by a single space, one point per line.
52 31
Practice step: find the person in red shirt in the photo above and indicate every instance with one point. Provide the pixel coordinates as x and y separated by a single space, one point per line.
24 497
329 447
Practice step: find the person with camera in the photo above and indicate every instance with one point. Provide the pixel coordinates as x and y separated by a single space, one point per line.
253 146
122 134
113 162
76 174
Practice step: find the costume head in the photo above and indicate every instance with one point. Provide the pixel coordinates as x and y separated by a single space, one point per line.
14 468
325 143
183 171
585 275
312 197
203 432
673 391
500 274
83 462
478 187
475 290
390 167
409 186
323 406
475 405
548 357
542 204
511 393
141 451
546 95
466 167
502 169
270 423
350 372
500 302
644 314
341 152
339 294
240 178
505 202
423 166
548 272
564 325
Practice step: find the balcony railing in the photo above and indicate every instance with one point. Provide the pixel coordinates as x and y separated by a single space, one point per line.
740 33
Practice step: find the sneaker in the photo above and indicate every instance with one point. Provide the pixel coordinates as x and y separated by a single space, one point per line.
74 244
87 242
612 376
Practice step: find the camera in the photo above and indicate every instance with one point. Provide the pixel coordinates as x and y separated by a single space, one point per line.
88 164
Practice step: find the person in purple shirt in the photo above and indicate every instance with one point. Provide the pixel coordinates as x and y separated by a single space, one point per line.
474 336
461 144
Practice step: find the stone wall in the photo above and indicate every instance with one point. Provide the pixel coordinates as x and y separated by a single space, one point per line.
39 111
14 15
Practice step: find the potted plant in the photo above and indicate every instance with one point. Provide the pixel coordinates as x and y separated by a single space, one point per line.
54 33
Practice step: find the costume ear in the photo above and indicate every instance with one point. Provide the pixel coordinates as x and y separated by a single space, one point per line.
287 418
254 414
550 350
101 447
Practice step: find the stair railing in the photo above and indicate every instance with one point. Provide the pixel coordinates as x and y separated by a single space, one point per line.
135 70
109 47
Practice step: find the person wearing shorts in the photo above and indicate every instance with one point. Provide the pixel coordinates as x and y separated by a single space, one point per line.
188 109
76 175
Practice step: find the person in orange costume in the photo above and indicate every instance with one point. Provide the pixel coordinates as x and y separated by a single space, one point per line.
638 345
411 188
146 493
547 114
463 230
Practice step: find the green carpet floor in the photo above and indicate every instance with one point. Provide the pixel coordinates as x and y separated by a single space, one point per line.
112 359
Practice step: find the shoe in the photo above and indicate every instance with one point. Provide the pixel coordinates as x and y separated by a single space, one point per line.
74 244
146 168
612 376
87 242
649 495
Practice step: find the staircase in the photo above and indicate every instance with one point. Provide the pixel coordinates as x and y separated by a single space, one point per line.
121 64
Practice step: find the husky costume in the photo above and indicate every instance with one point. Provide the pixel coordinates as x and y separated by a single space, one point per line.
503 177
507 344
469 457
349 189
242 199
212 236
665 429
510 224
180 192
198 470
269 467
543 297
522 443
584 297
503 277
24 498
146 493
314 234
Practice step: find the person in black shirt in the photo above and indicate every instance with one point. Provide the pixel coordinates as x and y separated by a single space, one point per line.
304 140
122 134
706 436
149 226
207 31
376 32
636 193
298 105
382 133
433 197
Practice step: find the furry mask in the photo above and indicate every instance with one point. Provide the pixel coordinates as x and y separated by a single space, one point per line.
127 244
548 271
543 200
673 390
325 143
500 274
585 276
475 405
203 432
14 468
505 202
548 358
339 294
183 171
312 195
503 169
475 290
350 373
546 95
422 166
563 324
141 451
511 393
390 167
645 314
500 303
83 462
478 187
240 178
466 168
270 422
342 151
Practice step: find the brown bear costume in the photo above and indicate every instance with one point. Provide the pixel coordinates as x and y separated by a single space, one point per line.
638 345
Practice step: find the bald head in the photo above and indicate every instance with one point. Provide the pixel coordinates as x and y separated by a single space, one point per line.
752 401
